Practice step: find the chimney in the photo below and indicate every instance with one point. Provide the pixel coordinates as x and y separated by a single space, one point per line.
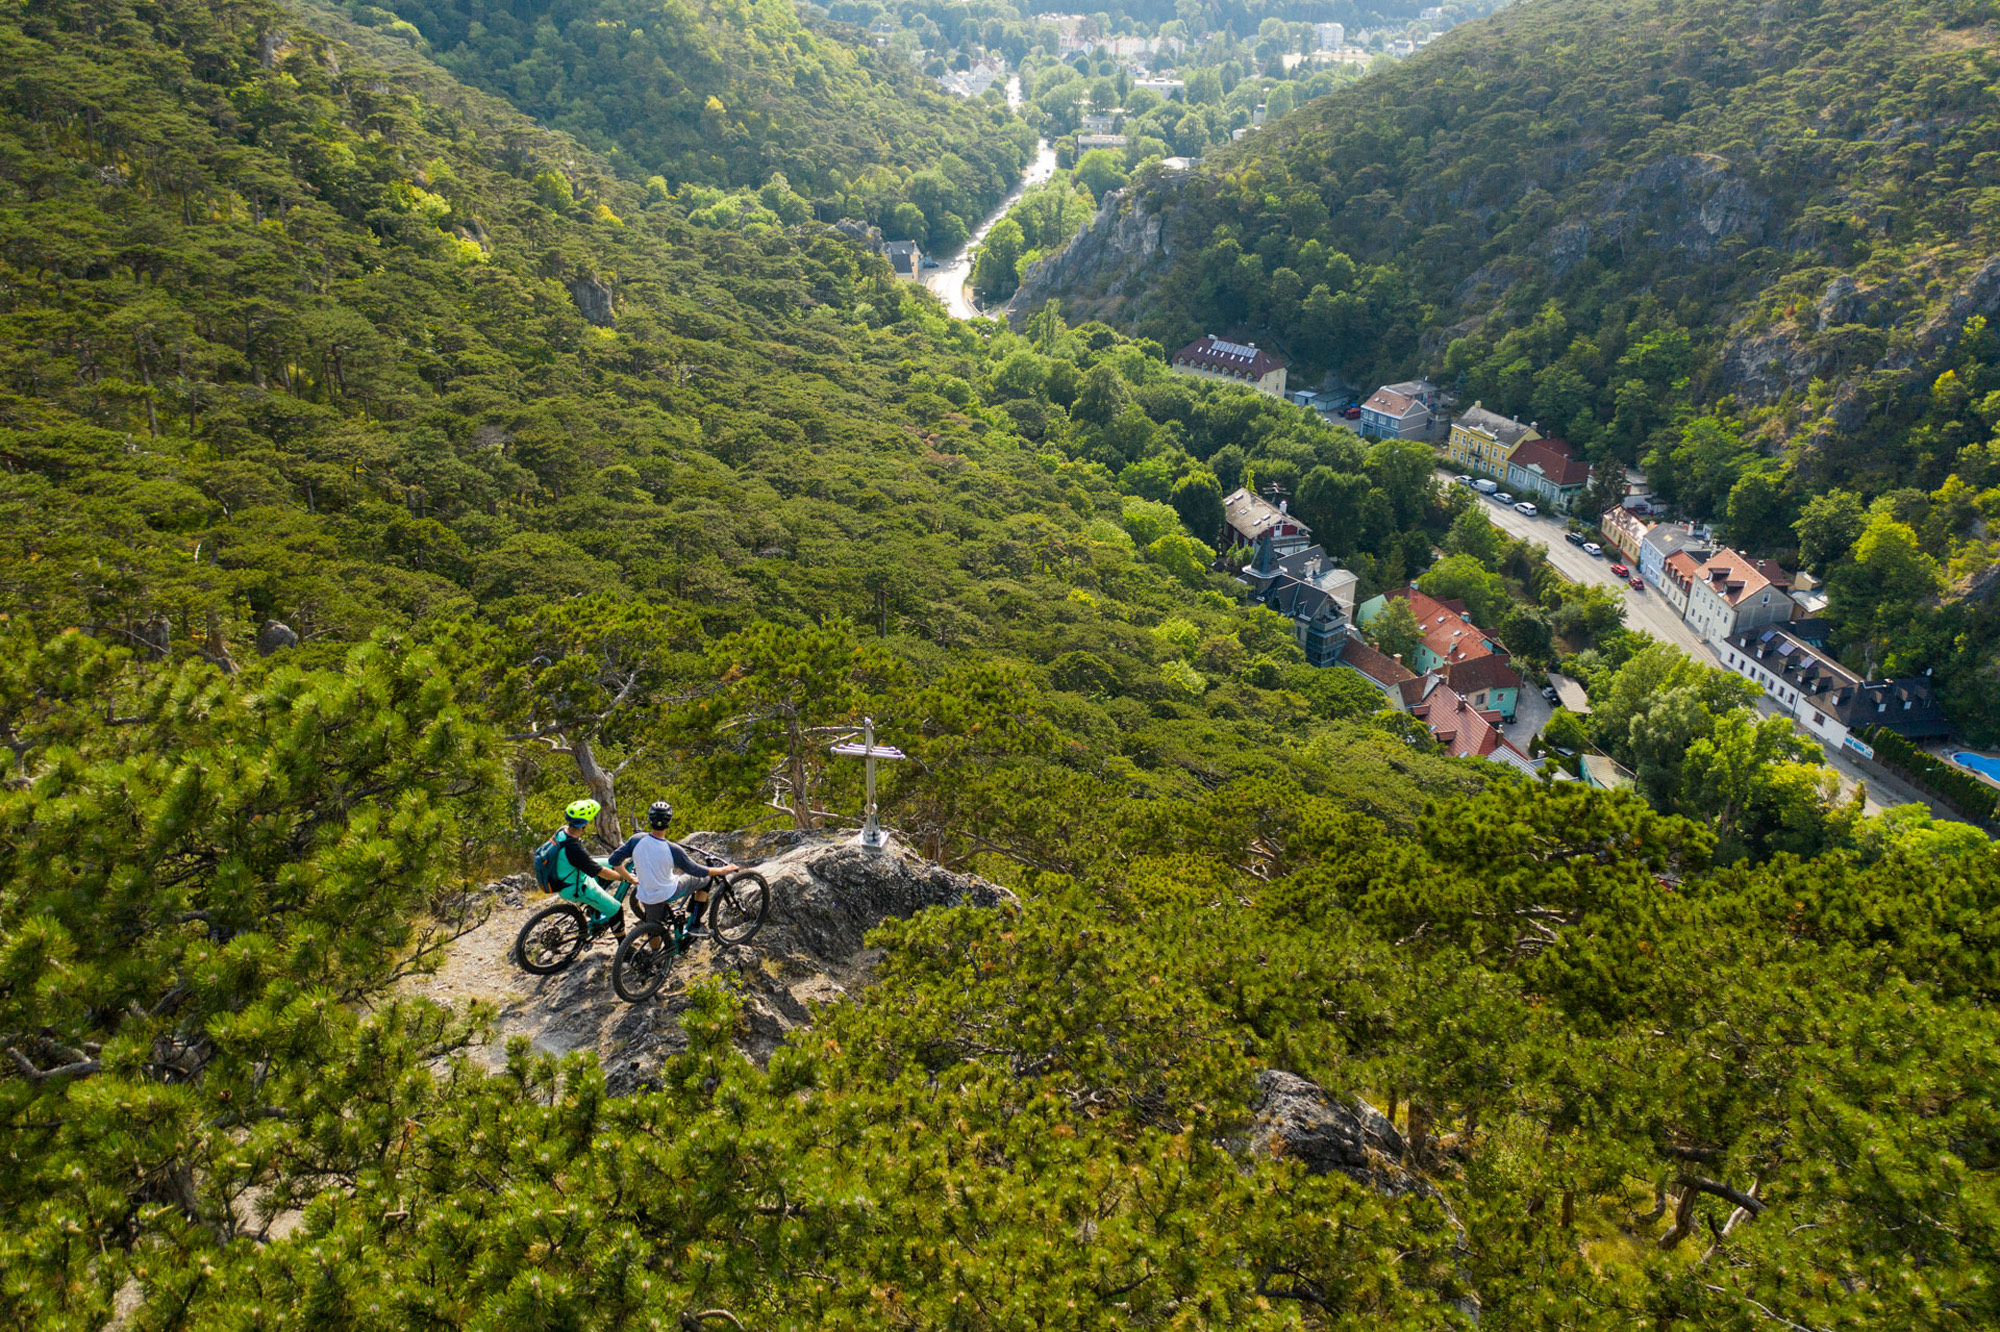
1284 506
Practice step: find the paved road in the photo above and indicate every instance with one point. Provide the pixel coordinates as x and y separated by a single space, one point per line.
1650 611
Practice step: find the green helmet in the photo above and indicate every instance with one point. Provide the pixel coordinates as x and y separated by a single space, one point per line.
582 811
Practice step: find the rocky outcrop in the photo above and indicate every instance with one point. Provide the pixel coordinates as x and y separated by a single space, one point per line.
1294 1118
275 636
1130 233
826 896
594 300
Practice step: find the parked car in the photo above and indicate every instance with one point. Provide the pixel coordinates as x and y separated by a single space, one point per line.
1574 538
1351 413
1549 693
1620 571
1503 497
1485 487
1463 480
1526 510
1638 583
1592 549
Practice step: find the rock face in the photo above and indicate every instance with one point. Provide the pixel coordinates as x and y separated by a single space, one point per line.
593 300
1296 1118
825 896
1130 232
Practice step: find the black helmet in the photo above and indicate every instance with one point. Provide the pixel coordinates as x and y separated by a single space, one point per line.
660 815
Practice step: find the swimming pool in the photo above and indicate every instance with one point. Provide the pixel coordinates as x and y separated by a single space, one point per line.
1979 763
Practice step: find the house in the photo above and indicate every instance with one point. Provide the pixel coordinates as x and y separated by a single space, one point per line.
1486 682
1386 673
1168 89
1100 122
1086 142
1482 441
905 258
1452 647
1464 730
1731 593
1400 411
1179 166
1247 519
1604 773
1663 540
1547 471
1829 700
1306 586
1211 358
1624 529
1678 575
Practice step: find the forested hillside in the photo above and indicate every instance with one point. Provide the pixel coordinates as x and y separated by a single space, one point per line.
732 94
385 471
1751 248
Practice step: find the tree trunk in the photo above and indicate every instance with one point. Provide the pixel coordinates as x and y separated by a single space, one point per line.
603 789
1683 1219
1569 1209
1420 1133
795 773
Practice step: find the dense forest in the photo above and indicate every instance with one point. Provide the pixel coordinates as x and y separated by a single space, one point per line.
732 95
1746 248
385 470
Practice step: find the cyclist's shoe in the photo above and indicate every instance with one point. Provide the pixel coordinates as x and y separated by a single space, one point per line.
695 932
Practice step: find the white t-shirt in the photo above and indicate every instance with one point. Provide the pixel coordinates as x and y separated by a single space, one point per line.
653 862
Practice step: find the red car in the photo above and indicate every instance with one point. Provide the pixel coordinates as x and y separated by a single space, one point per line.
1620 571
1638 585
1351 413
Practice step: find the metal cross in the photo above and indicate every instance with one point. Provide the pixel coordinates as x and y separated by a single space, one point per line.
869 751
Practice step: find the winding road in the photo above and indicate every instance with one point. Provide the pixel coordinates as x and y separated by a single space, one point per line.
952 282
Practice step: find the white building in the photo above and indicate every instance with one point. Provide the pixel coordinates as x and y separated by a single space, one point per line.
1732 593
1330 36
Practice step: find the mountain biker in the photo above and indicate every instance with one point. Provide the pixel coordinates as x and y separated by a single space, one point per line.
657 859
584 871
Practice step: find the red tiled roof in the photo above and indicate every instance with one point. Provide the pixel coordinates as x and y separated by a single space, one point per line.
1484 672
1553 456
1446 632
1464 731
1383 669
1736 578
1227 358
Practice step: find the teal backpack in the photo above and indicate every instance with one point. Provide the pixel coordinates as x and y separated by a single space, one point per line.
549 862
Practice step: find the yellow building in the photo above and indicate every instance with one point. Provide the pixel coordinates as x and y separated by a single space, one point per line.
1483 441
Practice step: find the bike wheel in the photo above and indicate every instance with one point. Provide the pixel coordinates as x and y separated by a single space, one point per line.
551 939
640 966
736 910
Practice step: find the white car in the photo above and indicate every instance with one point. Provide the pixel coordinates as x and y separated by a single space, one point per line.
1526 510
1593 549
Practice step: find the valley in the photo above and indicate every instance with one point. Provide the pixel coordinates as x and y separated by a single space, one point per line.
434 427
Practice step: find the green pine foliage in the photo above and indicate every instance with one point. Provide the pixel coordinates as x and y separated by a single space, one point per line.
561 488
731 94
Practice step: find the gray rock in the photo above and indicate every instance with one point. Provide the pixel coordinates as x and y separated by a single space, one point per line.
1297 1119
593 299
275 636
826 894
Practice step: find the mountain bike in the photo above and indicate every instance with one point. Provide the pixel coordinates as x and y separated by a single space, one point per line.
737 906
554 936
